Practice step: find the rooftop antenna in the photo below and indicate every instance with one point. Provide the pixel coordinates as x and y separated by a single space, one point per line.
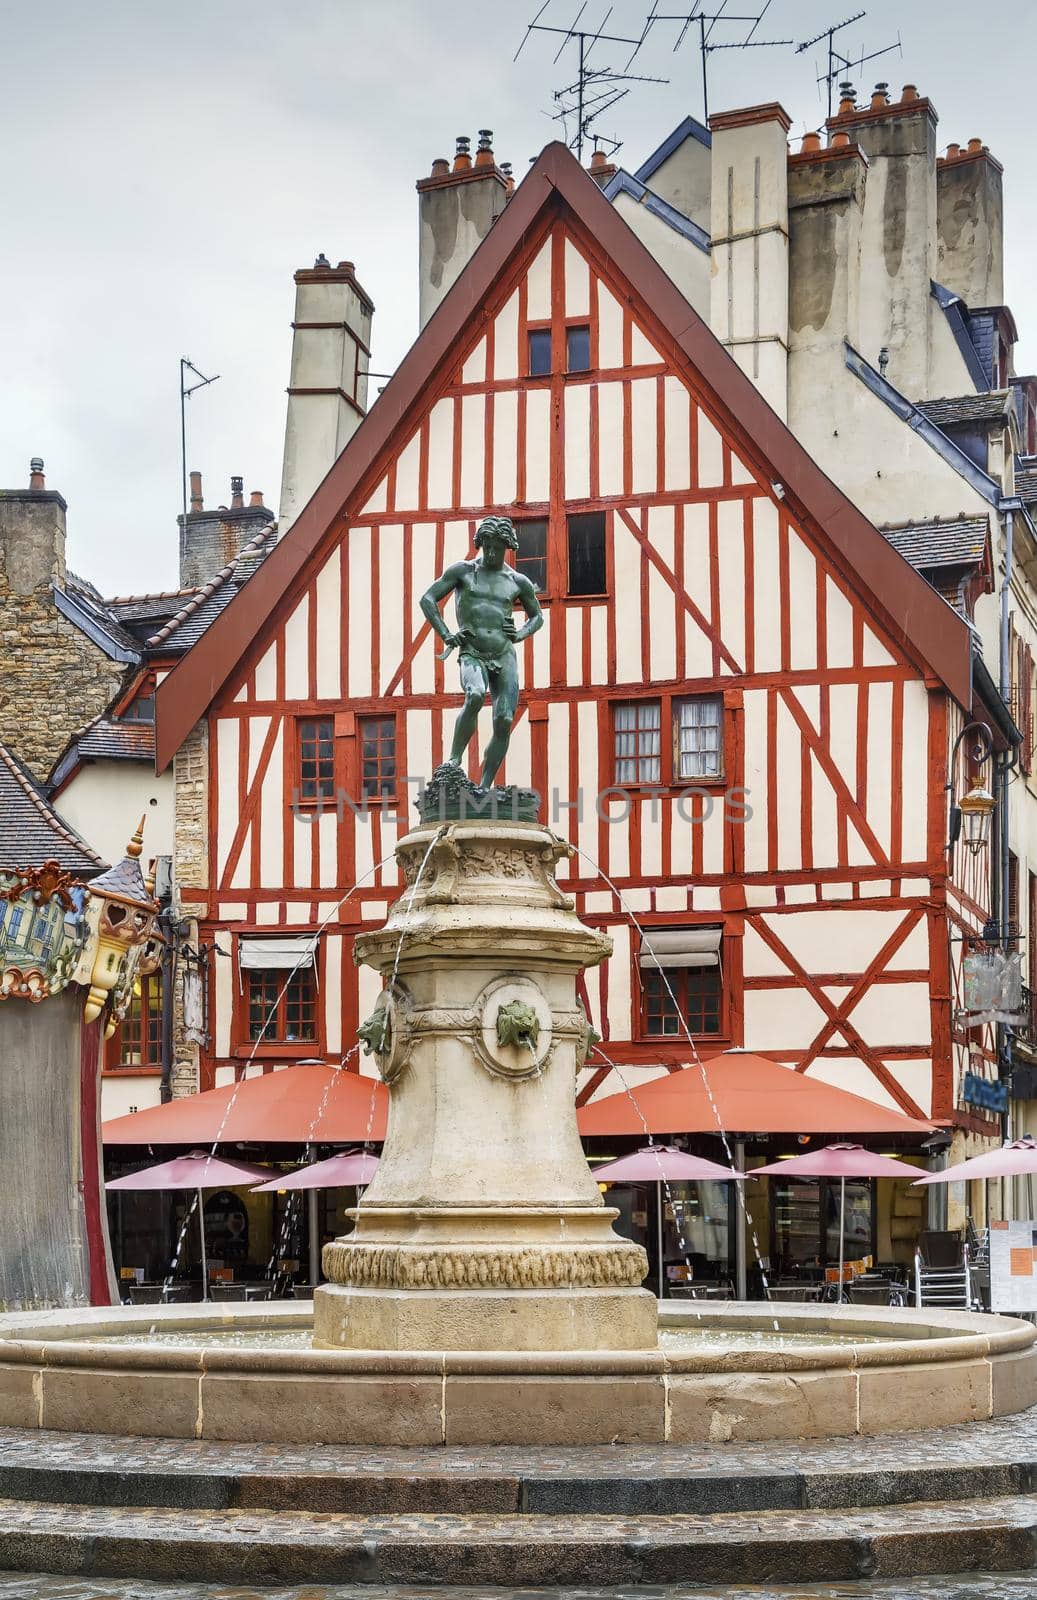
594 90
837 62
707 22
187 389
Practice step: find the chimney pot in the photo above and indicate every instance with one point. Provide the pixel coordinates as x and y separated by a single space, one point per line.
484 152
975 145
953 151
811 144
196 492
908 93
256 497
839 140
237 497
345 266
880 96
463 154
36 478
322 261
847 99
440 167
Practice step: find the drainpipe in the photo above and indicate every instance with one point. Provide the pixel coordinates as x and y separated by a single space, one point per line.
1004 1052
170 949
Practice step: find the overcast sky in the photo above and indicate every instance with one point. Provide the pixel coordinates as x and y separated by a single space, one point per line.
165 166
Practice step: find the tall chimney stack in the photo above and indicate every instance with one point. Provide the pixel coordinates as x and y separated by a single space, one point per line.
210 540
327 391
898 238
970 250
457 207
32 536
749 228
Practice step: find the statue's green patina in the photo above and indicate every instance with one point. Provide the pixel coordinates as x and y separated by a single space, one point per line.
486 592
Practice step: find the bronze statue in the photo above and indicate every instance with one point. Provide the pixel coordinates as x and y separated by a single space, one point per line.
486 592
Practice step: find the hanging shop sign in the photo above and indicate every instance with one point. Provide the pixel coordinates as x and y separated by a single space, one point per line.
986 1094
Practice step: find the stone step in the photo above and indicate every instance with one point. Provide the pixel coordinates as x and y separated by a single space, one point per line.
485 1492
169 1543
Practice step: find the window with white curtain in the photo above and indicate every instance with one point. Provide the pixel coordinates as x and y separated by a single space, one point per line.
699 737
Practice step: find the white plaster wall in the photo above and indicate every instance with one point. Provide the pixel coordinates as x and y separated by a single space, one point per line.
682 261
105 801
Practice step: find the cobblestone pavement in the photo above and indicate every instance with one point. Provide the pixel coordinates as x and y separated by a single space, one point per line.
975 1586
997 1440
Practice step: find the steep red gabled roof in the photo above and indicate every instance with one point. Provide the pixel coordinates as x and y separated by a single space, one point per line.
915 616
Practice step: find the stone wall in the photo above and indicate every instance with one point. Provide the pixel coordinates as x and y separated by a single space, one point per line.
53 679
191 874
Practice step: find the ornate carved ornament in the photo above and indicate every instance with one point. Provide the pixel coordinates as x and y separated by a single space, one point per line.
462 855
618 1264
388 1033
42 932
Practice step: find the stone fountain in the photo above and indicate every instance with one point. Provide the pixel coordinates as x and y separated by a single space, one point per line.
483 1228
483 1296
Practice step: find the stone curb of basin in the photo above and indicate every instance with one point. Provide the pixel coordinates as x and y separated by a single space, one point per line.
958 1366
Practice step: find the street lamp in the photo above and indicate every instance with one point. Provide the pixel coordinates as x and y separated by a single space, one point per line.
976 809
977 806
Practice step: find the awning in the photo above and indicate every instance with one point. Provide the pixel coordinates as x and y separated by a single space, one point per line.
292 1105
284 955
680 947
752 1095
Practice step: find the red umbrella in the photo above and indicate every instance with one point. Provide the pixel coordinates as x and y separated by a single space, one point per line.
743 1093
195 1171
840 1161
1015 1159
658 1163
338 1172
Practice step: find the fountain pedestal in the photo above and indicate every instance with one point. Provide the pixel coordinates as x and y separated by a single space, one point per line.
483 1228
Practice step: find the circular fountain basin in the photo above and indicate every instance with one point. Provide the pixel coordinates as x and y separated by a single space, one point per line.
722 1372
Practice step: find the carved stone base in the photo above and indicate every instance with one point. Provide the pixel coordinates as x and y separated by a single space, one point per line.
484 1319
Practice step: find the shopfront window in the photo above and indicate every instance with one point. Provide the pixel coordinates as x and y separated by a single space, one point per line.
805 1214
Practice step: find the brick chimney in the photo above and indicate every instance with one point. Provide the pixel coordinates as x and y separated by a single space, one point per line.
32 536
601 168
210 540
898 239
749 226
327 391
970 224
457 207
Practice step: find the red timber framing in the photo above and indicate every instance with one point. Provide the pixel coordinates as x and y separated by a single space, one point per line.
733 569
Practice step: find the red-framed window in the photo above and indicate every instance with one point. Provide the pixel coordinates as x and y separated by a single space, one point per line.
692 995
281 1011
578 347
137 1041
531 555
668 739
586 553
376 740
316 759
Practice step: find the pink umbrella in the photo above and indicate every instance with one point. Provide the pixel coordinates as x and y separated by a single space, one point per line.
195 1171
840 1161
338 1172
1018 1158
658 1163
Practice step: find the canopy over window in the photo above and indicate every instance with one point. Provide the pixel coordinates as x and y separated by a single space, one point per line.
681 947
283 954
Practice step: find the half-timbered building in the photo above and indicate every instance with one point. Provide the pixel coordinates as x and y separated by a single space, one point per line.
739 709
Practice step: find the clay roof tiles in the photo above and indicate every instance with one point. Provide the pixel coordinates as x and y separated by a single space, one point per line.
961 410
31 832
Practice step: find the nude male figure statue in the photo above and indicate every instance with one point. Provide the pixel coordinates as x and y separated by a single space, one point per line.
485 592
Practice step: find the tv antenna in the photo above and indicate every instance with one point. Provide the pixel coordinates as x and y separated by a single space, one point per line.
187 389
707 22
594 90
837 62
